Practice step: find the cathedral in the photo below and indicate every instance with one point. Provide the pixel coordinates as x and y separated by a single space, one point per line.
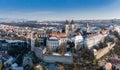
70 28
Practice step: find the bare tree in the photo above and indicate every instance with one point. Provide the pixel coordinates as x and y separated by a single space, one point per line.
62 49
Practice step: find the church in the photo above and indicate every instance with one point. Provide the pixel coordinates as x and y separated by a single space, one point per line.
70 28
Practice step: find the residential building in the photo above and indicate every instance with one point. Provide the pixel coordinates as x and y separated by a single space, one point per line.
77 40
92 39
55 40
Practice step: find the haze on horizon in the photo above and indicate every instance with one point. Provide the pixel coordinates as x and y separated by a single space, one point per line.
60 9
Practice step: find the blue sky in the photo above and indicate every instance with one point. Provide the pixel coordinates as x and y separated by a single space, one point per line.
60 9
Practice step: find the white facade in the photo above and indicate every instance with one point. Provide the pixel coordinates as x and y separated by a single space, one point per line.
41 31
91 41
77 40
117 28
63 40
55 42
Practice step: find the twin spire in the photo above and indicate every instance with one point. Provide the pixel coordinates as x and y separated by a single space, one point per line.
67 22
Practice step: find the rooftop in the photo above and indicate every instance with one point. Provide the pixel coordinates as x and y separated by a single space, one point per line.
59 35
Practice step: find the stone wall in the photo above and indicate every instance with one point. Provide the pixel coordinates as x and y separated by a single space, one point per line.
53 58
60 59
98 54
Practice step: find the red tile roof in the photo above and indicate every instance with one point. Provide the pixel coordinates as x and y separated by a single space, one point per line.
59 35
104 31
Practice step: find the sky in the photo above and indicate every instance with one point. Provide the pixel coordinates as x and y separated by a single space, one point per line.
60 9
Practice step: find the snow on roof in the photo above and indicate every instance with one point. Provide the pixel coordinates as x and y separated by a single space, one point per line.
56 54
41 29
38 66
68 53
14 41
14 65
55 38
79 37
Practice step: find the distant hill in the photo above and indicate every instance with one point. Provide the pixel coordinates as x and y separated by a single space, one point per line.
36 24
9 20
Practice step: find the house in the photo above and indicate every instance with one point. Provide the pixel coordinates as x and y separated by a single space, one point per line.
55 40
94 38
43 39
117 28
77 40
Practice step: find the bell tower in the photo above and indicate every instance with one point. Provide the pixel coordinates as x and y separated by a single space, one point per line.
73 26
87 28
69 28
66 27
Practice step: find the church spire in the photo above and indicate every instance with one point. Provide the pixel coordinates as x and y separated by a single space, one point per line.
87 27
72 22
67 22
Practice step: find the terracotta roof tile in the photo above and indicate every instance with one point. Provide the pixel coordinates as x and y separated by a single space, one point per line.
59 35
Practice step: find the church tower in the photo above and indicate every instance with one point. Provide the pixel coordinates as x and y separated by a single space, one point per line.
73 26
87 28
69 28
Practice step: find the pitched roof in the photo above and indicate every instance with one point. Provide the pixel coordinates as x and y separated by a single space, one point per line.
59 35
104 31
